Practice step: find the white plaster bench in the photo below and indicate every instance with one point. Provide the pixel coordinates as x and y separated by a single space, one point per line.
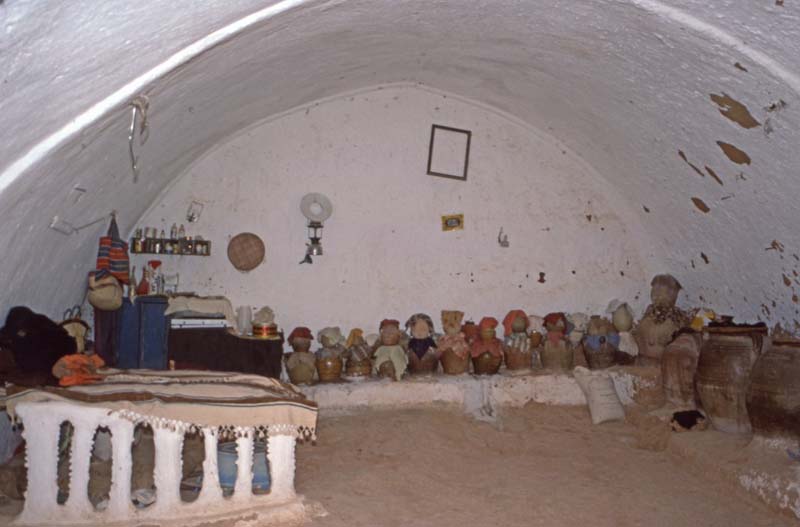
172 403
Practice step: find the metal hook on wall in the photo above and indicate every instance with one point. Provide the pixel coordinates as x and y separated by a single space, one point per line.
140 105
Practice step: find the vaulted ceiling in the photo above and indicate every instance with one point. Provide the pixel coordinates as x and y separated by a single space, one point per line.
688 110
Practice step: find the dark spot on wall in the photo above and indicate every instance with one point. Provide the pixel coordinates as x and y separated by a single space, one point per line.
645 208
765 309
541 278
786 281
795 299
701 205
713 175
683 156
573 271
589 218
775 246
740 67
693 264
704 257
739 157
734 110
622 273
779 3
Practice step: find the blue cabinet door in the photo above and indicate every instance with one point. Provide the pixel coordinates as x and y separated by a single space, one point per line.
152 332
128 335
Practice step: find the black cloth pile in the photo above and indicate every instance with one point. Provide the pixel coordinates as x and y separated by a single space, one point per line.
35 341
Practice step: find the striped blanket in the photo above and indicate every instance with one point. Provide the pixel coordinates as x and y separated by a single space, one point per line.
232 402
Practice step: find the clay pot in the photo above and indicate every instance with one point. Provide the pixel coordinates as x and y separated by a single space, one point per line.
471 332
517 360
599 358
390 338
300 344
329 369
358 368
486 363
773 400
678 367
300 367
301 373
536 339
723 374
427 365
557 356
622 318
452 364
386 369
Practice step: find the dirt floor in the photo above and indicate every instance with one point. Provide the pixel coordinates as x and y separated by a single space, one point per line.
539 465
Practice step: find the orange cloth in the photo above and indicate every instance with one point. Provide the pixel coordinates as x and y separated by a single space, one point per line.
78 369
488 323
511 317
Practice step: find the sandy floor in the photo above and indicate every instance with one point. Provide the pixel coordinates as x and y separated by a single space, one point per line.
536 466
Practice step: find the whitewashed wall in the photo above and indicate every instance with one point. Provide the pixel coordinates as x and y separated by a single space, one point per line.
385 252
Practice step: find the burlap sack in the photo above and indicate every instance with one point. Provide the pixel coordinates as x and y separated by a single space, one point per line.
105 293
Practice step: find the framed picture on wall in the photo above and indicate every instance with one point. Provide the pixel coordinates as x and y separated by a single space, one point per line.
448 154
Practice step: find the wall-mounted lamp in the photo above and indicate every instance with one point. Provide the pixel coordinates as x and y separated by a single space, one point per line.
316 208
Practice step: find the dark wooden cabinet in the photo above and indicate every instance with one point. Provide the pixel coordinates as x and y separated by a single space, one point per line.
220 350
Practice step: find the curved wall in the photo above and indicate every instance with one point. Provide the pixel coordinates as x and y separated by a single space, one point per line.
385 252
643 91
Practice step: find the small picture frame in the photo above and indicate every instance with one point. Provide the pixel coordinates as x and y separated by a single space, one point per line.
453 222
448 153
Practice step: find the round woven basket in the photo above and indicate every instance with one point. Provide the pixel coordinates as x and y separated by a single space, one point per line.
246 251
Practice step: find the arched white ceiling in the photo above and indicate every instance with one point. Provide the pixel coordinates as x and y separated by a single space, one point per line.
625 84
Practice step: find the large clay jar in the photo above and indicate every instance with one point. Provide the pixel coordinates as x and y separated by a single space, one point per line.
486 363
518 352
600 343
487 351
423 355
773 401
427 365
329 369
557 355
471 331
358 354
453 364
358 368
678 368
301 367
723 374
453 346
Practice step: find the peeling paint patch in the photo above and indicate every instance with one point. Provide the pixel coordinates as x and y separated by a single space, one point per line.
701 205
713 175
694 167
739 157
734 110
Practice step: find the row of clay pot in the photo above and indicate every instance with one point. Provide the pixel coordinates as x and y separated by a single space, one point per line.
742 379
